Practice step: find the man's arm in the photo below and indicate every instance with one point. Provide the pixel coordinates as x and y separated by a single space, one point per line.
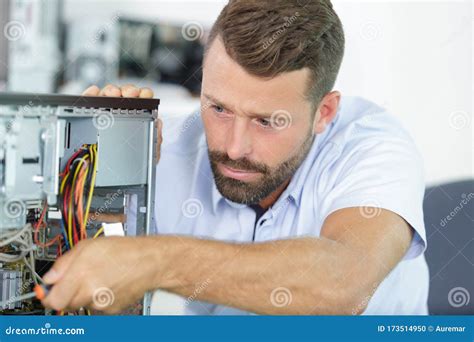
334 274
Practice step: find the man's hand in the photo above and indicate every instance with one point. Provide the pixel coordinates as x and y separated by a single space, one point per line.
106 274
111 90
128 90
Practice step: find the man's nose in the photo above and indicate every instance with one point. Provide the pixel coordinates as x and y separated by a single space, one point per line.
239 144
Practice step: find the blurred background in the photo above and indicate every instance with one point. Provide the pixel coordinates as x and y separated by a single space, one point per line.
414 58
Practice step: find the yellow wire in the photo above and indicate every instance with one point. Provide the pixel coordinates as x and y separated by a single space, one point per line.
94 173
63 183
83 228
98 232
82 160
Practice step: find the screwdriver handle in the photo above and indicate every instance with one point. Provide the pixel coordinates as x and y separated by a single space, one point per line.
41 291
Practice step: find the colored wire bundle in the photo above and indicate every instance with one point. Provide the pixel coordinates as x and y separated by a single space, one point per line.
76 191
75 198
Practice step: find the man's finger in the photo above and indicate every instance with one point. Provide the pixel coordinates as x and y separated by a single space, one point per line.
146 93
110 90
91 91
63 292
159 127
159 140
129 90
59 268
84 297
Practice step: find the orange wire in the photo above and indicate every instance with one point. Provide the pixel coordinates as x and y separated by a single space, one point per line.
78 196
37 228
79 199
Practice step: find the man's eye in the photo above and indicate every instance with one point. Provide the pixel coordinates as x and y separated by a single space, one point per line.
218 109
264 122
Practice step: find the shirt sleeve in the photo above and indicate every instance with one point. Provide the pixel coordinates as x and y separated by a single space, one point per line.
378 168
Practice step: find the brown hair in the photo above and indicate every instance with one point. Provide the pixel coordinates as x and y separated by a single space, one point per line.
269 37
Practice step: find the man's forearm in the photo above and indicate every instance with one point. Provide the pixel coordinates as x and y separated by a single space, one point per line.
298 276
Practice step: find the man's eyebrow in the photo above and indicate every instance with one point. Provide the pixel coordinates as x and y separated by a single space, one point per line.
216 101
221 104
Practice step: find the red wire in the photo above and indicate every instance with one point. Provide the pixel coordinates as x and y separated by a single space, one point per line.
66 169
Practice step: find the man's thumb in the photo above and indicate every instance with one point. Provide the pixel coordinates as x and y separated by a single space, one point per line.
59 269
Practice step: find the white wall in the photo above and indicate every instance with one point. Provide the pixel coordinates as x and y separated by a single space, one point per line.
413 57
172 11
416 59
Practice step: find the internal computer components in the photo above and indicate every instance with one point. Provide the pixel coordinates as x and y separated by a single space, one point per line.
71 168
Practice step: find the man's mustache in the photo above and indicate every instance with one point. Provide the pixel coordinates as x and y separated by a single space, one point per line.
241 164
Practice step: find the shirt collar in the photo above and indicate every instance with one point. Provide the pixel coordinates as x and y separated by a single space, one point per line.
217 197
295 189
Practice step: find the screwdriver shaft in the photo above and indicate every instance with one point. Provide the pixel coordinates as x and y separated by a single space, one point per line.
18 299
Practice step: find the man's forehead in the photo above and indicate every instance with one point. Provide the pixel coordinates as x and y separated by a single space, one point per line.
225 80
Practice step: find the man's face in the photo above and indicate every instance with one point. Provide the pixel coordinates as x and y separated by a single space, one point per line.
258 130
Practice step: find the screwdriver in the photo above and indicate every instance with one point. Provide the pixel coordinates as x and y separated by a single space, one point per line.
39 291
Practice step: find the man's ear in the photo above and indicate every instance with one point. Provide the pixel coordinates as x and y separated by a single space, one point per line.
326 111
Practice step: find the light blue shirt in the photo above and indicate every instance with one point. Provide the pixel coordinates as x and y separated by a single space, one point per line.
364 158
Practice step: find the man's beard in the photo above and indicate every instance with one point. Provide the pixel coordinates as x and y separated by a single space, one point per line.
271 178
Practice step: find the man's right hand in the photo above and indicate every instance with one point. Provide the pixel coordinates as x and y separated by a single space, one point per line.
128 90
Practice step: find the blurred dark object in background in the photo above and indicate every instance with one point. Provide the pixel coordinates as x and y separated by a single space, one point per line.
449 222
137 42
160 52
40 51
